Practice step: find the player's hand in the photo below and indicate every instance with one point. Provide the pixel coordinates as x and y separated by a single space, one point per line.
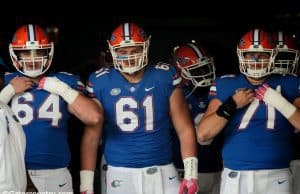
52 85
275 99
268 95
261 91
21 84
243 96
189 186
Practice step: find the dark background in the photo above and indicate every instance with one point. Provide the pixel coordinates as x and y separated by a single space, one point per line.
82 36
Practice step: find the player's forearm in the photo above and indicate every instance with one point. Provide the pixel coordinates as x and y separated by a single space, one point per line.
89 147
294 119
210 127
188 143
87 110
215 118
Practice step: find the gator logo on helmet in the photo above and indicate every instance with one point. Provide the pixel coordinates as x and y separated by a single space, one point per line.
113 37
242 43
142 34
182 60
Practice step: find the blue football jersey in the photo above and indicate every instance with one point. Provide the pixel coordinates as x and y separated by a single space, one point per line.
44 119
296 144
257 136
209 156
137 119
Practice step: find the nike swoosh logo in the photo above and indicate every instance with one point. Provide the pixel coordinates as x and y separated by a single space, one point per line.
61 185
148 89
280 182
171 178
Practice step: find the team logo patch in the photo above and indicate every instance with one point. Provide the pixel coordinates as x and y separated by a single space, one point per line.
151 170
115 91
132 89
116 183
233 174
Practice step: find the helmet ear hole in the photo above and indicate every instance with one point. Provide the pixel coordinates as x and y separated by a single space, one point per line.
31 51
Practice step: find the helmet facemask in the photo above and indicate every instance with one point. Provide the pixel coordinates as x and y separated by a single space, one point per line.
256 67
286 61
130 63
32 61
201 74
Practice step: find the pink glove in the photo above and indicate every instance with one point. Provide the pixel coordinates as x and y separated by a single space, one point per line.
41 83
261 91
189 186
55 86
275 99
87 192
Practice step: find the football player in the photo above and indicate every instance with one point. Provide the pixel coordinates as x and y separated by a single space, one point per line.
258 112
140 102
43 102
197 71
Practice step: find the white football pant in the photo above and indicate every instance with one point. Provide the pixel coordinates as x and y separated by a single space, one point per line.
276 181
148 180
52 180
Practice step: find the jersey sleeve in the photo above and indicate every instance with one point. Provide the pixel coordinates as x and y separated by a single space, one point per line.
214 90
222 88
9 76
169 77
95 83
90 86
298 93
